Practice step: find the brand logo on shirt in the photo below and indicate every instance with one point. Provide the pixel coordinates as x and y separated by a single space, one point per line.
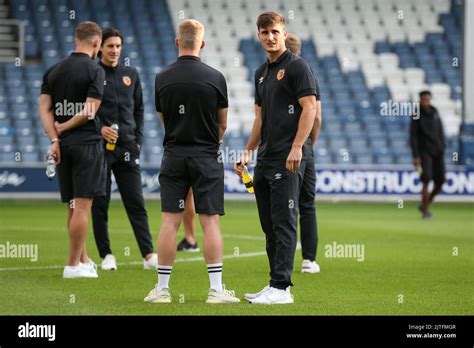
278 176
127 81
260 80
281 74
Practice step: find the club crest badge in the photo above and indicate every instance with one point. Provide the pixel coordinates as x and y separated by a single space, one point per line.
127 81
281 74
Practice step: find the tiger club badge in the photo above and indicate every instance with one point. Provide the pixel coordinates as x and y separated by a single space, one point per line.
280 74
127 81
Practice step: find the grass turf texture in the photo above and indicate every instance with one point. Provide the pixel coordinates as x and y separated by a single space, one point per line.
404 255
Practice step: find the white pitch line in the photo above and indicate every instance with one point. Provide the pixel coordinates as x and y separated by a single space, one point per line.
224 234
190 259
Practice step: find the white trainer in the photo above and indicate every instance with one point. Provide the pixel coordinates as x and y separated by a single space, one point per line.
224 296
309 267
155 296
81 271
71 272
151 263
274 296
109 263
89 269
257 294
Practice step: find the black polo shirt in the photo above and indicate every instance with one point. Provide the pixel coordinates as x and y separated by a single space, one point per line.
69 83
278 86
123 102
188 93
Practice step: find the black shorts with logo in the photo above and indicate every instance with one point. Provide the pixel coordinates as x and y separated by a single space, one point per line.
433 168
206 177
82 171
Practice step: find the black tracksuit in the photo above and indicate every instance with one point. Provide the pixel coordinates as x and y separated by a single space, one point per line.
123 104
279 86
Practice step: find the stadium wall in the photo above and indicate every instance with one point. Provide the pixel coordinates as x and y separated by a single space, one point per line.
335 182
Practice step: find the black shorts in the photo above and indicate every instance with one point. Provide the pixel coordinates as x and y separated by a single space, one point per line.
204 175
82 171
433 168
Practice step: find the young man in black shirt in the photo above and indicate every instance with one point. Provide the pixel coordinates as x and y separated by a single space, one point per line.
427 145
122 105
71 94
285 98
308 222
191 99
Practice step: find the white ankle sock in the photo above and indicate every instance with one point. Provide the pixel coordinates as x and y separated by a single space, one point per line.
164 273
215 275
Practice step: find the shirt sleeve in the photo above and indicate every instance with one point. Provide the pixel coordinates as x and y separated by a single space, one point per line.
138 110
223 101
414 141
45 88
302 78
157 96
96 88
258 99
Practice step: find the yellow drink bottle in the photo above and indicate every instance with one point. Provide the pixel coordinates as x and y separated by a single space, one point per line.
247 179
111 146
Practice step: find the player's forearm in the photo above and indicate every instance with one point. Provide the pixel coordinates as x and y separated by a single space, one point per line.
254 138
316 125
47 119
222 128
47 116
305 125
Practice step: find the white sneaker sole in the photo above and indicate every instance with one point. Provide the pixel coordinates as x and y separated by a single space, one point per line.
288 301
167 300
191 250
306 270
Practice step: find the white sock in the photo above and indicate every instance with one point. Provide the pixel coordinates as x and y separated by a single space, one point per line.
164 273
215 276
74 268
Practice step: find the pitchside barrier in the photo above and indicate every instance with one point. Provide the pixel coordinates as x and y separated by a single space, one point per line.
334 182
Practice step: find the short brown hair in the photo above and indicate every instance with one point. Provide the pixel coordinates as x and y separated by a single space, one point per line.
86 31
190 33
293 43
270 18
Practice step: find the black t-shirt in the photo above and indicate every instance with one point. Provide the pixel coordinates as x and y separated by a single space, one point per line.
69 83
278 86
188 94
426 133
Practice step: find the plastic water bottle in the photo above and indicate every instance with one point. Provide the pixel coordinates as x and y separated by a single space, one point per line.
50 167
111 146
247 179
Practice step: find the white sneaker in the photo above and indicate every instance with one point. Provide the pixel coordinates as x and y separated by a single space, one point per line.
309 267
224 296
80 271
109 263
155 296
71 272
89 269
257 294
274 296
151 263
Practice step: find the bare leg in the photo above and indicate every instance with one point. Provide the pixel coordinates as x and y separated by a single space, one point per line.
436 190
78 224
213 245
188 218
425 202
167 239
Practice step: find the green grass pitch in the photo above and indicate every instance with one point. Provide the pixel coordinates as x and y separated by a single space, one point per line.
411 267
